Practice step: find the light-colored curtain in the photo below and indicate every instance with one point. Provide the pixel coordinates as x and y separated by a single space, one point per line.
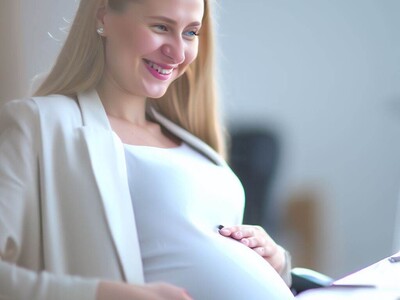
12 79
31 34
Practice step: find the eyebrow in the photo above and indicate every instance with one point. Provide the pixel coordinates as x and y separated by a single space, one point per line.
171 21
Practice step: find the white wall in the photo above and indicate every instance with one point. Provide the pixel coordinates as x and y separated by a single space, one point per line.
45 24
27 48
326 75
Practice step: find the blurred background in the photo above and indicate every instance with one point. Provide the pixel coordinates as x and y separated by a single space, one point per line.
317 80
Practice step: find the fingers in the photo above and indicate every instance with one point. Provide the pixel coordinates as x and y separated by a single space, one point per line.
273 255
251 236
163 291
265 251
153 291
241 231
256 238
254 242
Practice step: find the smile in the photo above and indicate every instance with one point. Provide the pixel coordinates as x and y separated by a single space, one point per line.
159 69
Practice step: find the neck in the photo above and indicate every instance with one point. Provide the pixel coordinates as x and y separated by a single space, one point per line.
120 104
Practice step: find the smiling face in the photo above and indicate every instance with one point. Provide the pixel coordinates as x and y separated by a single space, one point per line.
150 43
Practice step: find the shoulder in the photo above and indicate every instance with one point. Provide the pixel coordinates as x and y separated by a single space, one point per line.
58 110
56 104
49 111
21 111
19 125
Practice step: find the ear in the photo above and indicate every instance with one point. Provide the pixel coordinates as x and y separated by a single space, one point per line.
100 16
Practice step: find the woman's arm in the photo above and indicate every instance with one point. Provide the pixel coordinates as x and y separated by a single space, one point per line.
20 213
20 225
155 291
17 283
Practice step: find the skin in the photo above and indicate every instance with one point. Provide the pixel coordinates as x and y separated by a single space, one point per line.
139 34
133 37
257 239
156 291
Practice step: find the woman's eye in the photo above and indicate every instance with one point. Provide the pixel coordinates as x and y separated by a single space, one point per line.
191 33
160 27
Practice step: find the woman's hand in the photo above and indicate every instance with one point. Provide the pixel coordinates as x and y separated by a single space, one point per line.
257 239
108 290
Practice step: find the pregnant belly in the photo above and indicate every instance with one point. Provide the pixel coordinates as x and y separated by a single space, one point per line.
216 267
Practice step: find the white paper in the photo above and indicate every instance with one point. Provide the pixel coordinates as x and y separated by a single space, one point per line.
347 293
383 274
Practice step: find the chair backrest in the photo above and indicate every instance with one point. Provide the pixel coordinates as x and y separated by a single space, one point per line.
254 155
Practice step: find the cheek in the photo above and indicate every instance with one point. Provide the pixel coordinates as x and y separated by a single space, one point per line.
128 41
131 39
190 56
191 53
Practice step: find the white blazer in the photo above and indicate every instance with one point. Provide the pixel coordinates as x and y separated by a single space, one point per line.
66 216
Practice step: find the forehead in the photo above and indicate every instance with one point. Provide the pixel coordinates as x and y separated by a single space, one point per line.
180 11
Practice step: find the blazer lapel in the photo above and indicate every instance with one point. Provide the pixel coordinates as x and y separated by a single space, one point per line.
108 163
107 159
189 138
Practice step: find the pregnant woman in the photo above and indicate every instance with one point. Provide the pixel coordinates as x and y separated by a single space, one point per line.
113 183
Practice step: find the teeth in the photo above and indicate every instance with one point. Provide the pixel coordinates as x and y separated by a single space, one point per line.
159 69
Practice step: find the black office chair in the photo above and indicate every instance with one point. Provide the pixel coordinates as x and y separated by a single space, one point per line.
254 156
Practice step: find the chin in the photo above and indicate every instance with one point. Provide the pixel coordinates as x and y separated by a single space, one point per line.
156 96
157 93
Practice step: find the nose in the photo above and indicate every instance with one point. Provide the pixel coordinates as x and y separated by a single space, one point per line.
174 50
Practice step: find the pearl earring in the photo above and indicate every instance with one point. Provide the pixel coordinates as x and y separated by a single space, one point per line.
100 30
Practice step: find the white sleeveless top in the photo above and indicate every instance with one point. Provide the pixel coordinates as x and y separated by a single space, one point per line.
179 198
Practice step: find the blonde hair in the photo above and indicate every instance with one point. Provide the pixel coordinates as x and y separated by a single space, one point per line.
190 101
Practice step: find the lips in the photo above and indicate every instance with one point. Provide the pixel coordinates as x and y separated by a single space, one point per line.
161 69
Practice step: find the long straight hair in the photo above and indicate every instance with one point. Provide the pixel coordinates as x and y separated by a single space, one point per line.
190 101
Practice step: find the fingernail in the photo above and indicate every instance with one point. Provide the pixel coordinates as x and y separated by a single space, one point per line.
225 231
220 227
245 241
238 234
